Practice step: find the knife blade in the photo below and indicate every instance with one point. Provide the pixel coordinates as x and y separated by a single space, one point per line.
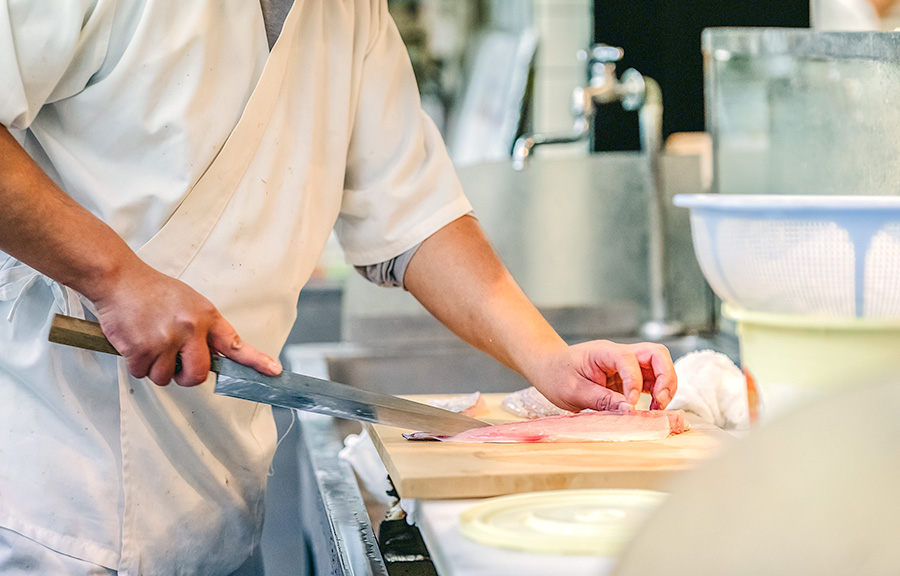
292 390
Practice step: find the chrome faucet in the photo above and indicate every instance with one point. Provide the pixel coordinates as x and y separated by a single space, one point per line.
604 87
635 92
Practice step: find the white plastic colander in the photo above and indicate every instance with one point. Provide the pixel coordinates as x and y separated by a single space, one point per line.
834 256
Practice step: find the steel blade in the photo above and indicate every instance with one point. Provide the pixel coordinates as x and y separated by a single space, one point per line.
310 394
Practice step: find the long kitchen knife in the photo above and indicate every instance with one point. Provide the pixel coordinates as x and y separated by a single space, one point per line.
292 390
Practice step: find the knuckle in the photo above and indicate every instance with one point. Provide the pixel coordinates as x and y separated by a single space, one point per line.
160 380
658 349
137 366
130 350
187 324
161 373
604 402
189 380
137 372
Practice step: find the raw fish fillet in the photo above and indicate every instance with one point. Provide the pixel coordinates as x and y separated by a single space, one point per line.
586 426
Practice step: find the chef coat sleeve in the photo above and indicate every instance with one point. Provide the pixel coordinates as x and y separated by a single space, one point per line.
400 185
49 50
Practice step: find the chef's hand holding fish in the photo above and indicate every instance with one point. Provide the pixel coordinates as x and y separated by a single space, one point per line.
571 377
458 277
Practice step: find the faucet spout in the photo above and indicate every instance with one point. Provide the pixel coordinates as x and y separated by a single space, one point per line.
604 87
524 146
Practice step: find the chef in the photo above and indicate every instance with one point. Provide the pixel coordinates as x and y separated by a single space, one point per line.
166 171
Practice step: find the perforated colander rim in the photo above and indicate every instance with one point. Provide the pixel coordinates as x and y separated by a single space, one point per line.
784 202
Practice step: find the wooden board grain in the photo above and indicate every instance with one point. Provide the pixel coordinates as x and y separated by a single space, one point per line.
444 470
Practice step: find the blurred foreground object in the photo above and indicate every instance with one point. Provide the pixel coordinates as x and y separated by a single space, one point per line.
811 493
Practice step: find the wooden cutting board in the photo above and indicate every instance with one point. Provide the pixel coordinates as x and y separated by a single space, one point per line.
443 470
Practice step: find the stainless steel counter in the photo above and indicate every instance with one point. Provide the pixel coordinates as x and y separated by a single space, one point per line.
336 530
316 519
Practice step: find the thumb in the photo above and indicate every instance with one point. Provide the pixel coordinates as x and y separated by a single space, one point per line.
598 398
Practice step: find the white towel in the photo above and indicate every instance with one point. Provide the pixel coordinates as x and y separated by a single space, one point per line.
711 386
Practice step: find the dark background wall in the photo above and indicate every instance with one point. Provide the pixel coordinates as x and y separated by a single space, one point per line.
661 39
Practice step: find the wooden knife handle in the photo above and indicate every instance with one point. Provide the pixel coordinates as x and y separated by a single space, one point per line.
85 334
79 333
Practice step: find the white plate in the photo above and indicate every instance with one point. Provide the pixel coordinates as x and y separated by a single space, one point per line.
574 522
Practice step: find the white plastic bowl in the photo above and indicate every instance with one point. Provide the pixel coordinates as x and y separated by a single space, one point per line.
831 256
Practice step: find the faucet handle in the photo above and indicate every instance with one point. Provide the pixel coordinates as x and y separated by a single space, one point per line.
633 89
601 64
603 53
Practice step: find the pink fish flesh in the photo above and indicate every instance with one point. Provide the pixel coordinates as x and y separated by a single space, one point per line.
585 426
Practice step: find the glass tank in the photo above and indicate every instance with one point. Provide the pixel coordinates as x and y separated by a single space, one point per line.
798 111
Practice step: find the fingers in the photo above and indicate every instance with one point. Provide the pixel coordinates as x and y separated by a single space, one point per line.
165 329
194 358
145 357
629 370
613 376
583 393
162 370
663 393
138 365
225 340
605 399
161 361
658 372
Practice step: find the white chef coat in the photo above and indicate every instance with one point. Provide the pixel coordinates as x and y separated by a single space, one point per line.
148 113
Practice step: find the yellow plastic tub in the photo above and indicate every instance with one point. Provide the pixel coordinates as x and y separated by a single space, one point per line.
793 359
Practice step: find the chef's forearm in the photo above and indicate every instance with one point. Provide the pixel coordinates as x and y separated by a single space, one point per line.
459 278
44 228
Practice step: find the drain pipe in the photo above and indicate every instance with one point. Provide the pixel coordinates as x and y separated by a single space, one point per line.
650 116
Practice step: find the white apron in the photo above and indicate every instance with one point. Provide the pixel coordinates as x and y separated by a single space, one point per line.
247 236
246 209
